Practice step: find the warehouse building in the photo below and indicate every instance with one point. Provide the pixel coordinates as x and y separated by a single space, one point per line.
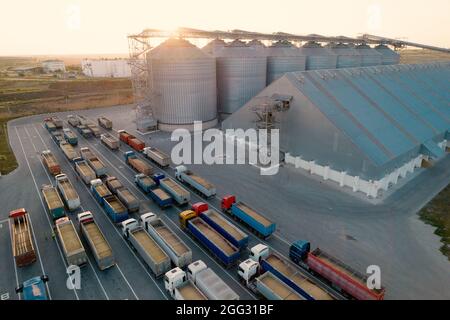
363 128
106 68
53 66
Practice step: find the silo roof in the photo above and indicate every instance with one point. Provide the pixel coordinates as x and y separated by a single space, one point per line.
313 48
240 49
177 49
284 49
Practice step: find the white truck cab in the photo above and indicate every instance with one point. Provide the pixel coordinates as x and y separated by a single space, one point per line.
84 216
173 279
128 225
248 270
146 218
194 268
259 252
179 170
96 182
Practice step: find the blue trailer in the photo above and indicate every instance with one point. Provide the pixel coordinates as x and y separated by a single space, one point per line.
223 250
100 191
255 221
144 182
115 209
161 198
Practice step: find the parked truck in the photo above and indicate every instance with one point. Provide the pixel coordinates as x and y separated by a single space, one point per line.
67 191
84 131
289 274
50 162
58 137
84 170
176 249
212 286
125 136
95 129
223 250
57 121
255 221
110 141
113 184
115 209
70 136
71 244
157 156
148 249
267 284
97 242
180 287
200 185
137 164
341 276
128 199
22 241
34 289
144 182
82 119
227 229
68 150
96 164
105 122
136 144
49 125
100 191
53 201
178 193
162 199
73 120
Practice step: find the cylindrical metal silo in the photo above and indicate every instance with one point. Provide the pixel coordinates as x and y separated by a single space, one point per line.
213 46
318 57
388 56
241 74
183 79
283 57
346 57
370 57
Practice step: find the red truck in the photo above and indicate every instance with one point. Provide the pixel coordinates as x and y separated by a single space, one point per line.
341 276
22 241
125 136
131 140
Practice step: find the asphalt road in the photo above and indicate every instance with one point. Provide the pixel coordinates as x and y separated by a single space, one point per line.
359 232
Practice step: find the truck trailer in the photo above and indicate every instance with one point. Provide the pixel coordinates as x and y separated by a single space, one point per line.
144 182
162 199
115 209
110 141
100 191
128 199
105 122
137 164
200 185
71 244
180 287
50 162
94 162
68 150
22 241
178 193
84 170
53 201
70 136
157 156
113 184
67 191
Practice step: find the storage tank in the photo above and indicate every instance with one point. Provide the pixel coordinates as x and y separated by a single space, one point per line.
346 57
318 57
184 85
388 56
214 46
370 57
257 44
241 74
283 57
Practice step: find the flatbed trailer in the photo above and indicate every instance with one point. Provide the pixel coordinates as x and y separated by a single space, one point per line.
50 162
53 201
22 241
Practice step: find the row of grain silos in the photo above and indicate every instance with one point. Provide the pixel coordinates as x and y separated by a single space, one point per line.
191 84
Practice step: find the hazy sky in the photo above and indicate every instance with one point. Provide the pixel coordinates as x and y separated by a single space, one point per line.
101 26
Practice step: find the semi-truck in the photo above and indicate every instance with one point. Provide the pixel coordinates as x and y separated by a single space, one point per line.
115 209
82 119
178 193
34 289
96 164
84 131
68 150
57 121
176 249
100 191
71 244
49 125
104 122
50 162
110 141
97 242
70 136
137 164
58 137
289 274
223 250
227 229
162 199
157 156
125 136
136 144
67 191
72 120
180 287
266 284
341 276
148 249
53 201
113 184
200 185
128 199
212 286
95 129
262 226
84 170
22 241
144 182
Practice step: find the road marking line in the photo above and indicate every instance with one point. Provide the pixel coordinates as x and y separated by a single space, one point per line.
114 227
131 288
43 206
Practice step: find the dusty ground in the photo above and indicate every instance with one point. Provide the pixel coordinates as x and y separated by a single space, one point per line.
422 56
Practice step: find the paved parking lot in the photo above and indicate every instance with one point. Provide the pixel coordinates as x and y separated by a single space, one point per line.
388 234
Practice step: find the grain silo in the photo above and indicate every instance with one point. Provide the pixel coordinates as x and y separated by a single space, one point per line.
370 57
257 44
184 85
346 57
283 57
213 46
318 57
388 56
241 74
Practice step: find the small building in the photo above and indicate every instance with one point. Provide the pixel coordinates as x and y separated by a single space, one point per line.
106 68
27 70
53 66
